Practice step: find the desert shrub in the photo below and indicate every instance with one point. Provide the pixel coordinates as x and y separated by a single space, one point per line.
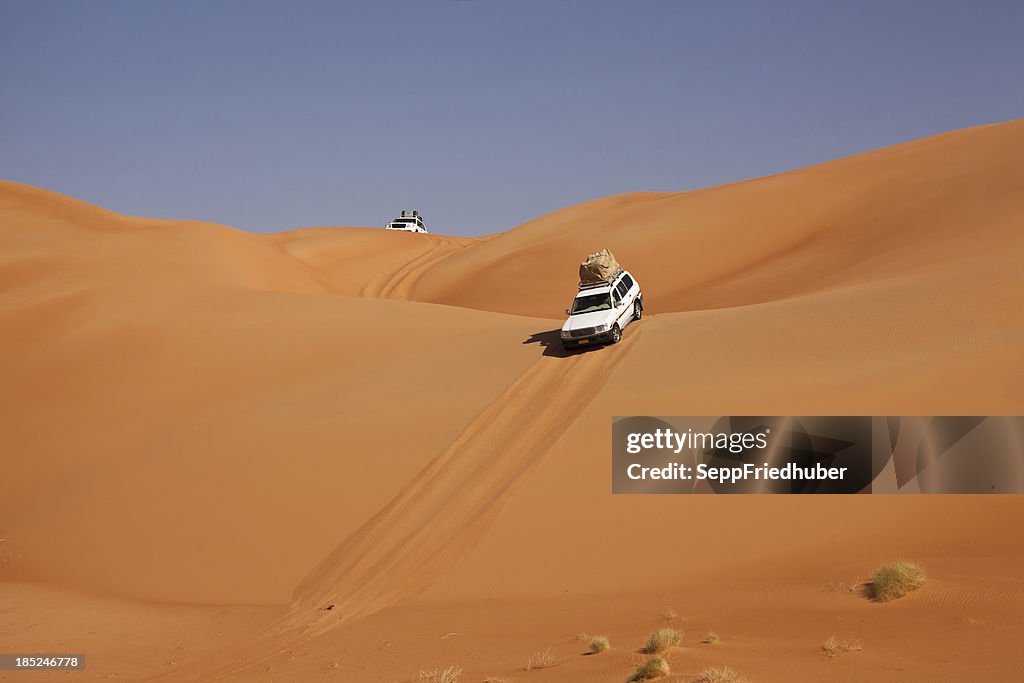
599 644
655 667
896 580
833 647
541 660
661 640
719 674
711 638
449 675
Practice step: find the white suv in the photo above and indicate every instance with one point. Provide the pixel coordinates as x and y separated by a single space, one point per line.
601 310
409 221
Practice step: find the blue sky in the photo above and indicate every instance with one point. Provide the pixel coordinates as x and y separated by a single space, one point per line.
481 114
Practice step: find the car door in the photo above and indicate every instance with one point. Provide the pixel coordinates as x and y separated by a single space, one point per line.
632 294
632 289
623 312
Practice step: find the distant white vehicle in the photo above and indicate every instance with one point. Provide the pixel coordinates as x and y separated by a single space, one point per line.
409 221
601 310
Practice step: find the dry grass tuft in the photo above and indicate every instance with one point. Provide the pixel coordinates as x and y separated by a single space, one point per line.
655 667
541 660
711 638
449 675
896 580
669 614
599 644
661 640
719 674
834 647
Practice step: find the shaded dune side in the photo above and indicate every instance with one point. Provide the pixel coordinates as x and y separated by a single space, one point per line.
936 205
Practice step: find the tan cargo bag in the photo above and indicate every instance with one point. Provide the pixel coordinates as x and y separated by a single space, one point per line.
600 266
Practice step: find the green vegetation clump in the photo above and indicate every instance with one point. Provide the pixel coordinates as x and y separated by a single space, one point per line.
655 667
599 644
896 580
661 640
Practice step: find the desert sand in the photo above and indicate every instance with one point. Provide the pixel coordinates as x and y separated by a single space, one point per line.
346 454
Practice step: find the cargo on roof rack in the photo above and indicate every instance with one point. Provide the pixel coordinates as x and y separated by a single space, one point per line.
598 269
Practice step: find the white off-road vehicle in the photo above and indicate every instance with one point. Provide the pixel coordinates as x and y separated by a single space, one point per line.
601 310
409 221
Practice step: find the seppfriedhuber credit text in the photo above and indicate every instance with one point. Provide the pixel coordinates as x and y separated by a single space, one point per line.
744 472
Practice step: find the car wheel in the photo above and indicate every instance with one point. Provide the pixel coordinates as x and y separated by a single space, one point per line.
638 310
616 333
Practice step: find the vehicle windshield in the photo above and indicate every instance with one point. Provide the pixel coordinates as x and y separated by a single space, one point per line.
591 303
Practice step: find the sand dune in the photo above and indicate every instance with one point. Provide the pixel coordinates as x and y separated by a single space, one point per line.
943 206
261 426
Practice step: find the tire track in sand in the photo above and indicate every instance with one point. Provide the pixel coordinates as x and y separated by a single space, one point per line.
401 283
447 507
439 516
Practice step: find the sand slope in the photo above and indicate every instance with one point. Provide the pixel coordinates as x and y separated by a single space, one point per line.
948 206
184 406
385 424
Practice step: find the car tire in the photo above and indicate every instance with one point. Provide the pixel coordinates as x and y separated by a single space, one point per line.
638 310
616 334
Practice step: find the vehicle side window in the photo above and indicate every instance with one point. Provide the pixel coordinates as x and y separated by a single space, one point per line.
621 289
628 281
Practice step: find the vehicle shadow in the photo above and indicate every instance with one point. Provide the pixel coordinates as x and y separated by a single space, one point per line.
551 342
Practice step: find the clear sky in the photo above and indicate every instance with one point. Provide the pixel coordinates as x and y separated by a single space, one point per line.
481 114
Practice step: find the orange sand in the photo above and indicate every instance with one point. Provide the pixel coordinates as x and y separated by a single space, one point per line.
210 435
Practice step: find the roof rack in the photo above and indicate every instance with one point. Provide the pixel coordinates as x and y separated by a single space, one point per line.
594 285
